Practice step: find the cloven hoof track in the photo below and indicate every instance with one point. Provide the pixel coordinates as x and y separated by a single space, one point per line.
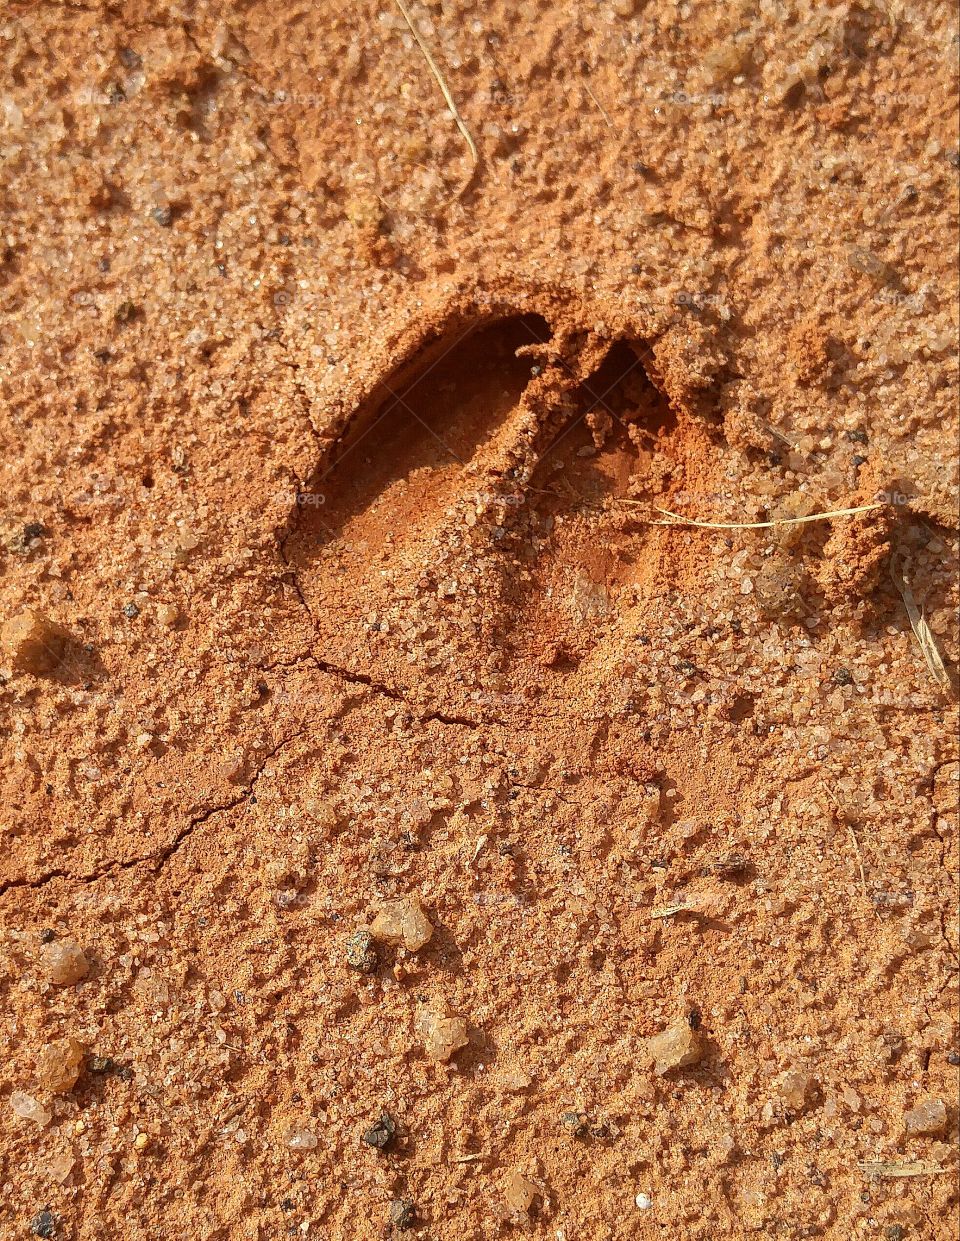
454 546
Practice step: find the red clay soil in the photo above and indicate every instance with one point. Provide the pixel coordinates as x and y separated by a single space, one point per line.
413 826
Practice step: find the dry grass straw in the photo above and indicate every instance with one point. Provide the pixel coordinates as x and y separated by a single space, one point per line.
667 911
678 519
922 631
881 1168
600 108
843 816
441 82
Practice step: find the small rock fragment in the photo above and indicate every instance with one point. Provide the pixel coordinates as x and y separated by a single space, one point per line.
677 1047
869 264
361 954
58 1064
403 922
442 1031
520 1193
575 1123
927 1119
29 1108
60 1166
794 1089
730 866
34 642
44 1224
141 1142
644 1202
64 962
403 1213
27 539
302 1140
381 1135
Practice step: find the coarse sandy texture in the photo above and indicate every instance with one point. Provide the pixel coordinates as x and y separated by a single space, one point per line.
340 459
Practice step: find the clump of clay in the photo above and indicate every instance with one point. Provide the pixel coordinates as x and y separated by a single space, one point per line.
777 587
789 533
443 1031
676 1047
64 962
520 1193
855 556
403 922
58 1065
33 642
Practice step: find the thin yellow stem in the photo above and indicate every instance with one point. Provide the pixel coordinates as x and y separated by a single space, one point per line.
435 70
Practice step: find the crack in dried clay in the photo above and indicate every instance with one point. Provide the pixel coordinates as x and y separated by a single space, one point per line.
345 674
159 858
363 679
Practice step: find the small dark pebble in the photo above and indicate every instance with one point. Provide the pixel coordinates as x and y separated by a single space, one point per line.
130 59
894 1232
843 676
162 216
100 1065
131 611
953 1058
287 1204
47 935
857 461
44 1224
857 437
22 543
694 1019
381 1135
126 312
361 954
403 1213
575 1123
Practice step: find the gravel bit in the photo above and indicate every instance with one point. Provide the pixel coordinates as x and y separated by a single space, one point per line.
361 953
380 1136
403 1213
